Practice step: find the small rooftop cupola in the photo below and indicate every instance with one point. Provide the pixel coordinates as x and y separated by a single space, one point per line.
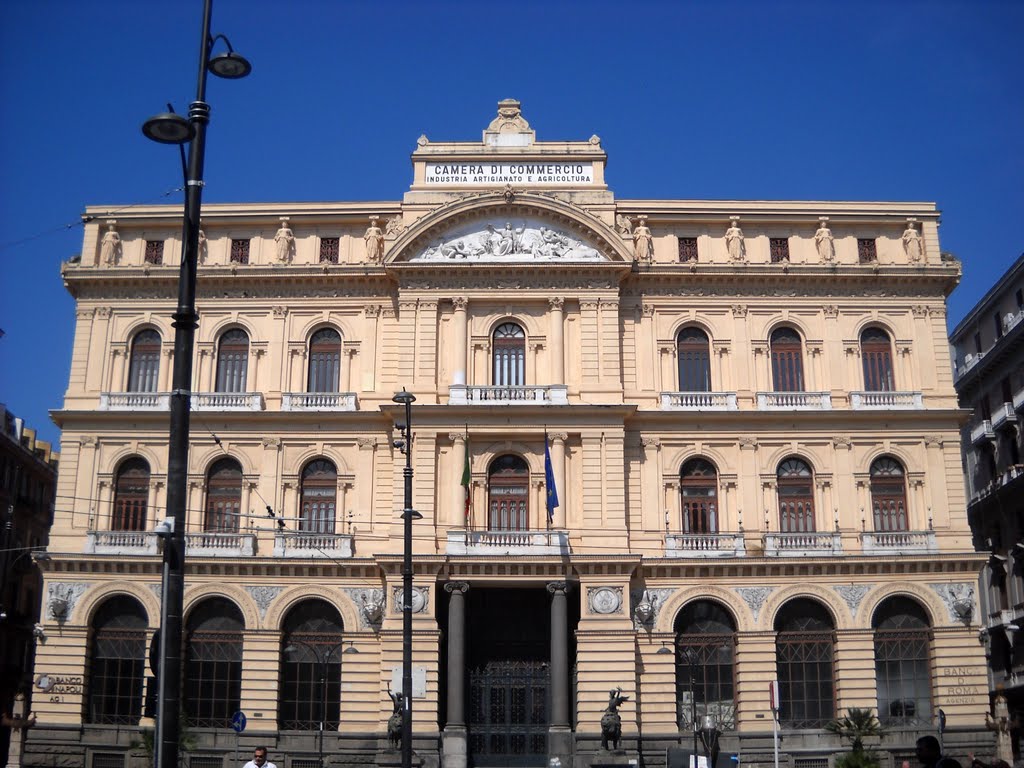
509 128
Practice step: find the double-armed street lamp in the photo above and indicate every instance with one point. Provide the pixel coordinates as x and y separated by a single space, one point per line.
170 128
404 444
322 659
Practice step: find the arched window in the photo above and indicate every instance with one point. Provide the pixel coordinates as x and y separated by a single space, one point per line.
693 352
223 496
796 497
319 493
903 662
888 495
232 361
213 663
144 370
508 487
876 352
310 668
804 652
509 352
698 487
705 665
787 360
324 361
117 662
131 496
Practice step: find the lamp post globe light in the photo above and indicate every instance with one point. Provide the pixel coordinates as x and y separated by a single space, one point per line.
169 128
404 444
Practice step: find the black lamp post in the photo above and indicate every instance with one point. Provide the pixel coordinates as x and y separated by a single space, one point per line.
408 514
322 661
709 734
690 655
169 128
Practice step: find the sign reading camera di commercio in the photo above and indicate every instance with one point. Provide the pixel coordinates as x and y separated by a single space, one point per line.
509 173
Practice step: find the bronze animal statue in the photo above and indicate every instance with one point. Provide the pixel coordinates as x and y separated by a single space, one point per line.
611 722
395 721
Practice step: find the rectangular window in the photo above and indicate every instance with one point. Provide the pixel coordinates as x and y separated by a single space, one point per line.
328 250
687 248
239 251
1006 389
997 322
154 251
867 252
977 343
779 249
1020 298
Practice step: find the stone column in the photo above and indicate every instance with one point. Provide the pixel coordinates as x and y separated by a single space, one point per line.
454 737
461 344
558 465
559 735
557 342
457 499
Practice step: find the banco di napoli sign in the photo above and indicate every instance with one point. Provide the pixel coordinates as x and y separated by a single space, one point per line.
486 173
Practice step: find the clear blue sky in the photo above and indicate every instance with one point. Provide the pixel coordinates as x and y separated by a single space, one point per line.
751 100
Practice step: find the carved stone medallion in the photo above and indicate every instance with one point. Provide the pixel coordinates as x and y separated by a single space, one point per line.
604 600
418 599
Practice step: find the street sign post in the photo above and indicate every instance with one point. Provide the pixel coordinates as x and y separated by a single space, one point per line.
238 721
773 700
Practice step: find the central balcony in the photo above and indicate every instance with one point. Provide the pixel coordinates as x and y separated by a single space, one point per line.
794 401
318 545
463 394
205 544
704 545
227 401
802 544
698 401
463 542
886 401
319 401
898 543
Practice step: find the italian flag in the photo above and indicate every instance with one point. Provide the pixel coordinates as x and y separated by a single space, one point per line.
466 481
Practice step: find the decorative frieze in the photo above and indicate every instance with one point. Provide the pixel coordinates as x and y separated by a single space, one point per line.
263 596
754 597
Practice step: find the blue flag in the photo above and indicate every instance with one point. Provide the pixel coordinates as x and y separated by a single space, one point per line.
549 481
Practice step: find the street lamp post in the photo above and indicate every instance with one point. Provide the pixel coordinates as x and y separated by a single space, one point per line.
169 128
408 514
691 661
322 662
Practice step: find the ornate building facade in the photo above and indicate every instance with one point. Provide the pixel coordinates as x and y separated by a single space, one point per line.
988 356
753 442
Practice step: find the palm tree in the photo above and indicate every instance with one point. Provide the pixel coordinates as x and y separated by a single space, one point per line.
857 725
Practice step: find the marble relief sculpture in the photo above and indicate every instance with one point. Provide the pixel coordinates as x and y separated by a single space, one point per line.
110 245
734 241
643 245
203 247
285 242
912 244
374 240
824 242
512 241
624 224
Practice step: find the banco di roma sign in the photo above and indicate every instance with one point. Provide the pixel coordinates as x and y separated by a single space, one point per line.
483 174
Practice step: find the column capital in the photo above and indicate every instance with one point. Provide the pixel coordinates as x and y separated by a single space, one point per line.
458 437
556 303
460 303
460 587
558 437
557 587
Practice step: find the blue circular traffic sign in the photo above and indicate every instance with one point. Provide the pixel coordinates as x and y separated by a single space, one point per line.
238 721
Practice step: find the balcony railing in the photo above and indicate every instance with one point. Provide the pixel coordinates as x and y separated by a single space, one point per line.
698 401
462 394
135 401
207 544
227 401
463 542
802 544
970 360
1004 416
886 401
322 545
704 545
794 401
319 401
898 542
982 432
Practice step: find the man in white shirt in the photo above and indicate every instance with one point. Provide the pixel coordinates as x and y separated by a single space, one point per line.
259 759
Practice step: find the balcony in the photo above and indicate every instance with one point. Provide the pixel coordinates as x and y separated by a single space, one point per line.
704 545
462 394
794 401
886 401
1018 400
1004 416
698 401
207 544
969 362
982 432
802 544
898 543
332 546
319 401
227 401
488 543
135 401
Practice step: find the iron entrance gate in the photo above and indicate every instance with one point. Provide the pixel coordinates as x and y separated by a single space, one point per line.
508 713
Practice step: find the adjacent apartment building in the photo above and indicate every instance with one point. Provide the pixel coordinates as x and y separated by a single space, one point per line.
988 357
754 448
